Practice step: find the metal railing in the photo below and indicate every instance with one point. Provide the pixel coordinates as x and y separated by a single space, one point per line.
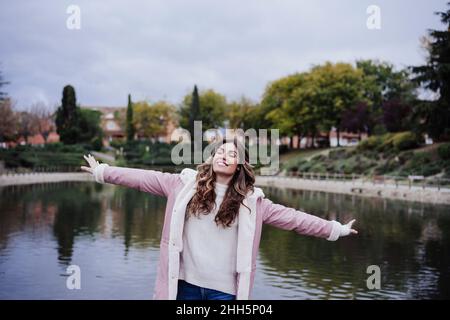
386 180
72 169
37 170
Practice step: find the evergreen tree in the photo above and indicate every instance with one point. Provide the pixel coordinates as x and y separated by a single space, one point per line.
435 76
130 130
195 111
75 125
67 117
3 94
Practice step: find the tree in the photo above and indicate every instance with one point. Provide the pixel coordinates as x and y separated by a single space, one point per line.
210 109
307 103
27 125
243 114
44 124
130 130
195 111
67 117
280 110
382 83
435 76
89 127
356 119
3 94
396 115
330 90
151 121
75 125
8 121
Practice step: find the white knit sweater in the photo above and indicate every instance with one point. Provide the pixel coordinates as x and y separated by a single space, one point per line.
208 258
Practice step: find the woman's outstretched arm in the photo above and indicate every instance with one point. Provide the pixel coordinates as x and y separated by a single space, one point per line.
303 223
151 181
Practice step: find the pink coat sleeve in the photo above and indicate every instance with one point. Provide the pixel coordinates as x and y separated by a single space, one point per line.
303 223
151 181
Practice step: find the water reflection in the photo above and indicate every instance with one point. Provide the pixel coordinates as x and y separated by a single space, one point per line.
409 241
113 234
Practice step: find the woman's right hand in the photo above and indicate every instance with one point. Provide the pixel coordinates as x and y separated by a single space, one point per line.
92 164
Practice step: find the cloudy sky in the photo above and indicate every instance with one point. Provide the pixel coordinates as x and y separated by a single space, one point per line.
160 49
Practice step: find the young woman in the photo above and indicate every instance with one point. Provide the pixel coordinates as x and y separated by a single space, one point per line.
212 226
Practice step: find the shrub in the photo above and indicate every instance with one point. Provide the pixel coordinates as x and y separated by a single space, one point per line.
337 154
419 159
370 143
405 156
422 163
305 166
431 169
319 157
444 151
390 142
117 144
379 129
318 167
283 149
386 142
293 168
97 144
404 141
294 164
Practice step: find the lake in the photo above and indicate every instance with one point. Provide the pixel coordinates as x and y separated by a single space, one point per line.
112 233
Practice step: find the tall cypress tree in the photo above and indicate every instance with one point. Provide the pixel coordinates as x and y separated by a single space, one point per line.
130 130
435 76
195 111
67 117
3 94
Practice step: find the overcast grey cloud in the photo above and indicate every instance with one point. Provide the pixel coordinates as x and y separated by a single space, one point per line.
160 49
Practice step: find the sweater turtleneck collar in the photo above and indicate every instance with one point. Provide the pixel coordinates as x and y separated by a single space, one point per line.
221 188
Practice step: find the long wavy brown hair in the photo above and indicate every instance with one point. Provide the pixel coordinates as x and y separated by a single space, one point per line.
203 202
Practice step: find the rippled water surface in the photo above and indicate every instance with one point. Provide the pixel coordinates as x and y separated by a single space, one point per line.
112 234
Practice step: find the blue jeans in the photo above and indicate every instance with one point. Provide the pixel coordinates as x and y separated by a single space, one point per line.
189 291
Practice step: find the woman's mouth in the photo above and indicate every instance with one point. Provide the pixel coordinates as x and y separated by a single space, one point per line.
222 164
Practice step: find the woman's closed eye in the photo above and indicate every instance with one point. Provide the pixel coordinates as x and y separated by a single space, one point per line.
230 153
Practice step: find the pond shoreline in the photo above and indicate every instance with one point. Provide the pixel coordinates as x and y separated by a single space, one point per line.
364 189
43 177
358 188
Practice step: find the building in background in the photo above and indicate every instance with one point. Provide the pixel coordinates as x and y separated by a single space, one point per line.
113 124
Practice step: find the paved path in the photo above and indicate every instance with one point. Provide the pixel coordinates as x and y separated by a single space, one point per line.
367 189
419 194
43 177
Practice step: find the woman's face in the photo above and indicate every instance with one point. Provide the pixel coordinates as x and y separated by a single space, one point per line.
225 160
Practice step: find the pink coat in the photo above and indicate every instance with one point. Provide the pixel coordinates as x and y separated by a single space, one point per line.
179 189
